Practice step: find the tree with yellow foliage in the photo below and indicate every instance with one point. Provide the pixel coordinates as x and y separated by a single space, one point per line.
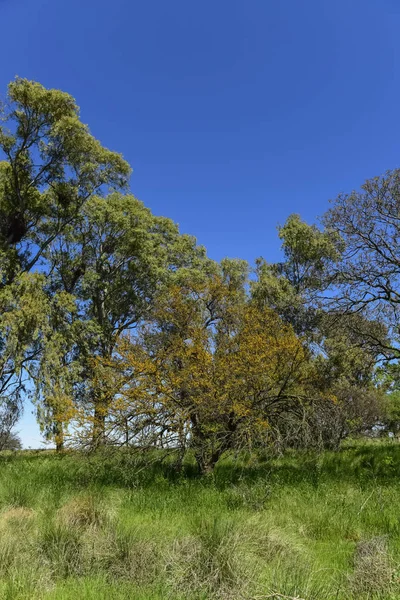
207 371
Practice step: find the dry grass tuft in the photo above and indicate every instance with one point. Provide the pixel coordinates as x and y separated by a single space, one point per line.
135 559
16 515
373 568
208 562
276 544
83 511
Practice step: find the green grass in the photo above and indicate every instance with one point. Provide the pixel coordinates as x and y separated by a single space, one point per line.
108 527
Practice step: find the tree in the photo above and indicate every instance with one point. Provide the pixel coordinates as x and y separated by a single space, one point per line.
10 441
23 310
51 165
58 369
10 412
113 261
346 363
309 254
292 286
209 369
367 278
344 354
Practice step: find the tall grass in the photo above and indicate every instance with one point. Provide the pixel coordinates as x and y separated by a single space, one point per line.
115 527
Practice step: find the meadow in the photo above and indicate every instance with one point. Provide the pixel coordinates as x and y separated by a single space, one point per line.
111 526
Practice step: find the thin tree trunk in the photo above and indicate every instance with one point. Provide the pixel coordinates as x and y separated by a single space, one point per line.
99 423
59 436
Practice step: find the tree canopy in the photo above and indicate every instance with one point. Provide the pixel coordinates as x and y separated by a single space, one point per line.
125 332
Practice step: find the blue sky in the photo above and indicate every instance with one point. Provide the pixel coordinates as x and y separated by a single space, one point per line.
232 113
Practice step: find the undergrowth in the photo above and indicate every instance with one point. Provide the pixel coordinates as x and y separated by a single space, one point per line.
116 526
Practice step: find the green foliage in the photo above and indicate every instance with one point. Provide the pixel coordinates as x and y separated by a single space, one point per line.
309 252
24 307
126 333
52 165
110 264
9 440
291 287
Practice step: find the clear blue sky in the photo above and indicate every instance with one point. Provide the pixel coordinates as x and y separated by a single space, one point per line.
233 114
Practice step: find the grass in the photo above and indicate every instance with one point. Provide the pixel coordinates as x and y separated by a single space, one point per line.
317 527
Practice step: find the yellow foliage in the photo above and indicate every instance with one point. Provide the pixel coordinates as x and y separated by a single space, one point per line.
208 364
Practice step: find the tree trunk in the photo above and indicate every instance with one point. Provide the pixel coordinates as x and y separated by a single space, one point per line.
206 461
126 423
209 447
99 424
59 436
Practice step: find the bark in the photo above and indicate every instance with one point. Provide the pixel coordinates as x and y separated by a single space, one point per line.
207 461
99 423
59 436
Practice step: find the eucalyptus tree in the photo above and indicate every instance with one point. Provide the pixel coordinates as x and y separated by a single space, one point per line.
293 286
50 165
343 344
113 262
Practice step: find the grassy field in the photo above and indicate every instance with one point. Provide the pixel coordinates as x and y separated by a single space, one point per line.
312 527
